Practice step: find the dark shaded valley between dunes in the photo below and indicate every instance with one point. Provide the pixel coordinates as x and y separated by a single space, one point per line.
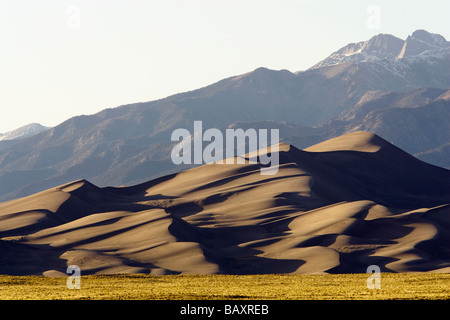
335 207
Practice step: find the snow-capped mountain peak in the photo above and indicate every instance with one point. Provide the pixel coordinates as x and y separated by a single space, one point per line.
421 41
23 132
386 46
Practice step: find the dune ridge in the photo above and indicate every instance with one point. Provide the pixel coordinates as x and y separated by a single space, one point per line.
336 207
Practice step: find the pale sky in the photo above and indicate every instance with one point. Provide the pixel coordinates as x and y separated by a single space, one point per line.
62 58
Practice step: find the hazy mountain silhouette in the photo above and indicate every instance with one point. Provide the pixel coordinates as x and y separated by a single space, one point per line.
375 88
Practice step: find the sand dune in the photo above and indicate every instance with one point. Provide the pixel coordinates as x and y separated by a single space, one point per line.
336 207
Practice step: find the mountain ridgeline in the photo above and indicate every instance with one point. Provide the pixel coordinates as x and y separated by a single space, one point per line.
398 89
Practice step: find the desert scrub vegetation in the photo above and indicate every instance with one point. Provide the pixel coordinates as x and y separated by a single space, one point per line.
228 287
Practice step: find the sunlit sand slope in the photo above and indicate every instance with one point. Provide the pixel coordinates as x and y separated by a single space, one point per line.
336 207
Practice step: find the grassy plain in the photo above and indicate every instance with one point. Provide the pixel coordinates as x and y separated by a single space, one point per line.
225 287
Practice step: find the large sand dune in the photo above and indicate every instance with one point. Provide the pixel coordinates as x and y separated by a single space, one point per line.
335 207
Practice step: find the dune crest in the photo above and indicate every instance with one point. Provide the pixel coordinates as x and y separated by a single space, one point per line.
355 141
336 207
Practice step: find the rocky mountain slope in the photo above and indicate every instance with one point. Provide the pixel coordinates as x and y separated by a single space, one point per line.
375 88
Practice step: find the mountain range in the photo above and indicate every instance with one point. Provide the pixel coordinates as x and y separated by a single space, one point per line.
398 89
335 207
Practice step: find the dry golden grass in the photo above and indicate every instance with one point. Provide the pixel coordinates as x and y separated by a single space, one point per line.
208 287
